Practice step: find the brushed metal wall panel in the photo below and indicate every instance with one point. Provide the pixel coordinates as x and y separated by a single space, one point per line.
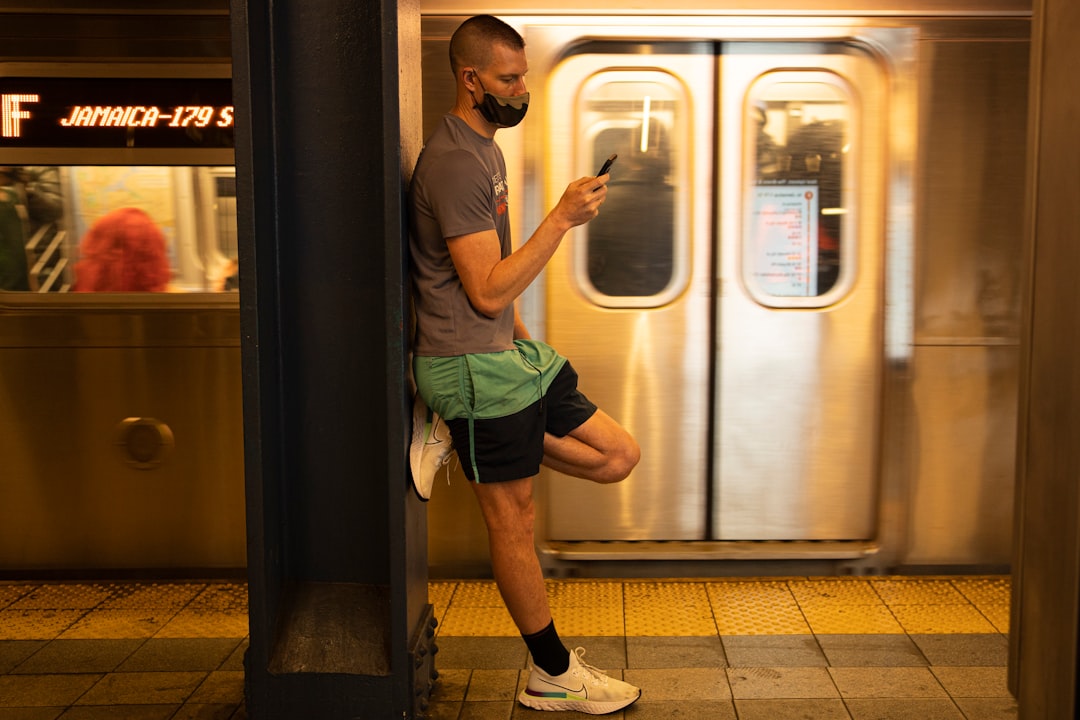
972 130
963 432
71 499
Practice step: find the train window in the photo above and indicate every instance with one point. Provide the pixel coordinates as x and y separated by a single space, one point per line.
635 252
118 229
797 247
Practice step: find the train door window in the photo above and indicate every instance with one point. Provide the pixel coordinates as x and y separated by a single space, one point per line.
90 228
635 253
797 239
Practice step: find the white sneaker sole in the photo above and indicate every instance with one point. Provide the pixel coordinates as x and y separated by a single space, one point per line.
416 449
589 707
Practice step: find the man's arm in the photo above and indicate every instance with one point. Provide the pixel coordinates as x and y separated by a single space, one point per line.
493 282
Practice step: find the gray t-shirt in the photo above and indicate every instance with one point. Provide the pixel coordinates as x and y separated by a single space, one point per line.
458 187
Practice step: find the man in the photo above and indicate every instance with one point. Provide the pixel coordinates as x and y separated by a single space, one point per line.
509 402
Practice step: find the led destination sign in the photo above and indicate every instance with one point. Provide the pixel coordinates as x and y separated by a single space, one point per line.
115 112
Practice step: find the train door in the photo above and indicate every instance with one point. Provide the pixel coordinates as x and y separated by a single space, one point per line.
727 305
799 305
628 296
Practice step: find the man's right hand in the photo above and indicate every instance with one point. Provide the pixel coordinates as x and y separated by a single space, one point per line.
581 201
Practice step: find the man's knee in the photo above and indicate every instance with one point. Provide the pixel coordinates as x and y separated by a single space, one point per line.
622 460
507 506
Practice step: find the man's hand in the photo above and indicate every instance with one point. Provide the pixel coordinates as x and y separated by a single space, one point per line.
580 202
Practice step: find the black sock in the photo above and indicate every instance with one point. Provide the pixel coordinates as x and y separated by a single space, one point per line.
548 652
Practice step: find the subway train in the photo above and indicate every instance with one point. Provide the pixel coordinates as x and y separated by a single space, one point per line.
802 295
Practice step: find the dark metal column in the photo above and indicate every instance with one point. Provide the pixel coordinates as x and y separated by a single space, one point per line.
327 97
1044 632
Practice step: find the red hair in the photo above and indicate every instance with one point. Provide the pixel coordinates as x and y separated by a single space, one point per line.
124 251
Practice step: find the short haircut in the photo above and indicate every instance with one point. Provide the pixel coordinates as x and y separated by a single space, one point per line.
472 42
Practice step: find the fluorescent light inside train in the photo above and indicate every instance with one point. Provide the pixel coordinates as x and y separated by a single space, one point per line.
645 123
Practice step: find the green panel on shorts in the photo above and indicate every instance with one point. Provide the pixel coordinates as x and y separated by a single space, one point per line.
508 381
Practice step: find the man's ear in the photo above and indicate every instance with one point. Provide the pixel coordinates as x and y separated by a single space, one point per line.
468 76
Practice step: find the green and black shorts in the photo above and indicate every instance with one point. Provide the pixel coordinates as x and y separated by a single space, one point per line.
499 405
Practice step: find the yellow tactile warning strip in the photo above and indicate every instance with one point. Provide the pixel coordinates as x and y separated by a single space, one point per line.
780 606
99 611
597 608
756 608
668 609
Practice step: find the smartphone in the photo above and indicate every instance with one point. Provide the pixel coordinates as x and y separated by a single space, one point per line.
607 165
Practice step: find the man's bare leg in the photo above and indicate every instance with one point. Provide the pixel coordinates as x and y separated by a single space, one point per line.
508 511
600 450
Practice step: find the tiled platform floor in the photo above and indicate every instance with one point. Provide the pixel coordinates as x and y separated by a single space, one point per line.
881 648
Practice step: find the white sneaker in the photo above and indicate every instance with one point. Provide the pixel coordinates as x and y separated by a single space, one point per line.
431 447
582 687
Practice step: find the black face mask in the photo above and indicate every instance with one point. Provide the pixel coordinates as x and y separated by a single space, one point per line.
502 111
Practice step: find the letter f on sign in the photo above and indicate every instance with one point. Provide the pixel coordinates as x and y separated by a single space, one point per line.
11 113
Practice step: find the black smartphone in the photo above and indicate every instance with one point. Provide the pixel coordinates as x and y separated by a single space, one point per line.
607 165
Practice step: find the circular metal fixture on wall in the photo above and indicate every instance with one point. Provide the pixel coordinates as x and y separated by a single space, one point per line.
144 442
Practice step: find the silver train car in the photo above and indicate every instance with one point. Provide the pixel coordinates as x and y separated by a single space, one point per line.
120 401
802 296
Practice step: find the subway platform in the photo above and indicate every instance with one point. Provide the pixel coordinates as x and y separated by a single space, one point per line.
858 648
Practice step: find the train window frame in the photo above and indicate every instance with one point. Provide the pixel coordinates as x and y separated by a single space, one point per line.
210 158
681 175
184 201
759 92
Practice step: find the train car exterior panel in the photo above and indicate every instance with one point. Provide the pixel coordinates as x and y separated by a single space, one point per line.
963 418
147 477
864 422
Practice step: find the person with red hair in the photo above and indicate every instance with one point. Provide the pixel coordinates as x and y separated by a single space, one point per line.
124 251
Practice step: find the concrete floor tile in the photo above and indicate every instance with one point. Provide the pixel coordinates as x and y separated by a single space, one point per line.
606 653
200 711
450 686
221 687
14 652
680 684
904 709
487 710
902 682
681 710
44 690
120 712
236 660
520 712
30 713
481 653
973 650
137 688
773 651
792 710
671 652
974 681
492 685
870 650
174 654
989 708
79 656
444 710
781 683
